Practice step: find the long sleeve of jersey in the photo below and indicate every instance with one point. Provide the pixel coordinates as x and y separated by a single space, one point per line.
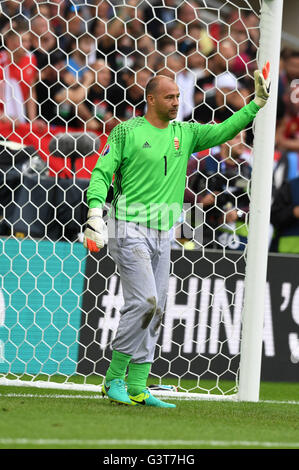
107 164
211 135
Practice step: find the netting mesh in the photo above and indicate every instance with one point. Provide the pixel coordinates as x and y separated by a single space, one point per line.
69 73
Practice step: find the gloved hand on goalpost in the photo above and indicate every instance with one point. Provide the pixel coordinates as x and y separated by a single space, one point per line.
96 232
262 85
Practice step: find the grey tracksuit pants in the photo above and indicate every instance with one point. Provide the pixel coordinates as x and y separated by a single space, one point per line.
142 256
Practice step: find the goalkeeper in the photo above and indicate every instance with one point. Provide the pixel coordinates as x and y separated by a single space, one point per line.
148 156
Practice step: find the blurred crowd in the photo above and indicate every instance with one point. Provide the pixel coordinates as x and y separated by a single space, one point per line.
84 65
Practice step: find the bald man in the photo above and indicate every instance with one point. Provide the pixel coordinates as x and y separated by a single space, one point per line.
148 156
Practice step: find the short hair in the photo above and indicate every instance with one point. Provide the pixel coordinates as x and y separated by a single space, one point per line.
294 54
152 84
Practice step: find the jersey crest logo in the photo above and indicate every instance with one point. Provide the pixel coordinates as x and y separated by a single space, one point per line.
106 150
146 145
176 143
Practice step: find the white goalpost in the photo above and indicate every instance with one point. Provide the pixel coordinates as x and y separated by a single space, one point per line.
261 191
59 305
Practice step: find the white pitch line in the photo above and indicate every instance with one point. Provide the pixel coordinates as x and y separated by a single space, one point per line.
144 442
96 397
52 395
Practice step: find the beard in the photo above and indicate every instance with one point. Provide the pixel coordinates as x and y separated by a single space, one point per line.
172 113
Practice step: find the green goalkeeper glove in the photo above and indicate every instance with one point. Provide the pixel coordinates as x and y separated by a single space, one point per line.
262 85
96 232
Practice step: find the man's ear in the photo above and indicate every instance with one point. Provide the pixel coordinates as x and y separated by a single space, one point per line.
150 99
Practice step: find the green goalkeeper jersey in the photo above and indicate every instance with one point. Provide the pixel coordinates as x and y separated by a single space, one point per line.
150 165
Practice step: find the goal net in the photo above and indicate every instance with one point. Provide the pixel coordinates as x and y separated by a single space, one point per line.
71 71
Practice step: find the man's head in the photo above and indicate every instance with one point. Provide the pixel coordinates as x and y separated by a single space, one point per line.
162 96
16 39
86 44
291 65
234 148
103 73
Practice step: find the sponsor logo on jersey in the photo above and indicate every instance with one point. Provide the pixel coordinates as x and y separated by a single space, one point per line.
106 150
146 145
176 143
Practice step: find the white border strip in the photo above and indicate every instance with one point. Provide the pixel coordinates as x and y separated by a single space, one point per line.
97 388
97 397
144 442
174 396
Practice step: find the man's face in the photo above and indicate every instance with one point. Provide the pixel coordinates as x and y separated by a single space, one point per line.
85 46
40 26
165 100
13 43
292 68
237 145
137 87
104 76
26 41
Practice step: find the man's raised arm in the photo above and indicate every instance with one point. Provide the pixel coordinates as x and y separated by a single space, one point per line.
211 135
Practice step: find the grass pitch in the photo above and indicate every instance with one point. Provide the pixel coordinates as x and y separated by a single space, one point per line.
43 419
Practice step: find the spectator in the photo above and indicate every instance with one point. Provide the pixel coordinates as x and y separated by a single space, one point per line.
222 101
177 31
166 45
106 44
27 8
43 40
18 73
289 73
220 183
187 12
134 18
79 59
75 27
291 66
62 90
197 34
146 47
48 86
103 8
185 80
245 57
287 136
18 11
287 142
217 63
70 97
251 21
100 98
113 44
54 12
128 96
285 218
159 14
118 38
196 62
124 53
